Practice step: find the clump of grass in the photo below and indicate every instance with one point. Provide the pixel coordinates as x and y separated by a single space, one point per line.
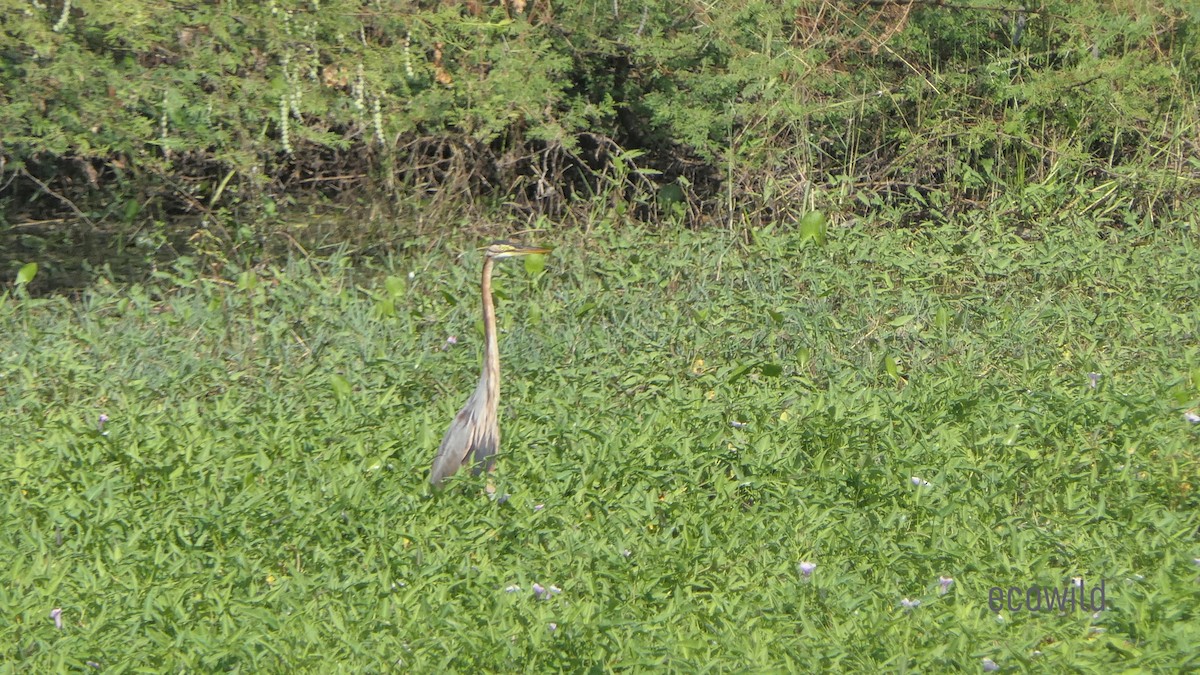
691 422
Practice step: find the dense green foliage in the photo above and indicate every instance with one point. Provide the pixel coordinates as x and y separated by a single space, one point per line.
709 112
688 416
222 466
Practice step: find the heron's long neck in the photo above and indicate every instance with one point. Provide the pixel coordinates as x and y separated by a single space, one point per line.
491 349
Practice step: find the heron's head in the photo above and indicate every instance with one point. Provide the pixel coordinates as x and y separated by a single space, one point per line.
499 250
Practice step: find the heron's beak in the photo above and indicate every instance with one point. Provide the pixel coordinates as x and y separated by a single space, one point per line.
499 250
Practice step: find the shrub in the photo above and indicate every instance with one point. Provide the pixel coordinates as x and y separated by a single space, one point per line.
753 111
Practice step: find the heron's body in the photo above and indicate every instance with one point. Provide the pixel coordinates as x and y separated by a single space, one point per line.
474 434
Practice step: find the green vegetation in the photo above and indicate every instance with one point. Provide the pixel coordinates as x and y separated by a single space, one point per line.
688 416
120 114
740 435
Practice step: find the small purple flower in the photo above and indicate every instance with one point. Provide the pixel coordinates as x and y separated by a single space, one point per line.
806 568
945 583
56 614
545 593
553 626
738 425
1093 380
1077 582
538 507
1192 417
100 422
919 482
910 604
92 664
452 340
512 589
989 666
627 553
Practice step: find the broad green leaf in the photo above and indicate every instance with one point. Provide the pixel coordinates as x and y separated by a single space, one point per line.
386 307
889 364
341 386
247 281
771 369
942 318
395 286
27 273
803 356
814 225
535 264
670 194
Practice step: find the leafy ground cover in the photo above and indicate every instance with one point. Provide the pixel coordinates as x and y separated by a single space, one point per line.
691 421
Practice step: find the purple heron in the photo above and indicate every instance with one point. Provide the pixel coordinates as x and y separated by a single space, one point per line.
474 435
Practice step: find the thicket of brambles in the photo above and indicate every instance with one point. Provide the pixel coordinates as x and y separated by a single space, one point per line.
113 115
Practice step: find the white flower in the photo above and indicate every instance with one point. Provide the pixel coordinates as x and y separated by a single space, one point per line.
945 583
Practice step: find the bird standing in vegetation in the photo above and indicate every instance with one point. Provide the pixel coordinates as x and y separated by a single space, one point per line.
474 435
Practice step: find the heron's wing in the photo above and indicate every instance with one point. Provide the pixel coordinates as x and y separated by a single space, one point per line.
484 445
456 445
